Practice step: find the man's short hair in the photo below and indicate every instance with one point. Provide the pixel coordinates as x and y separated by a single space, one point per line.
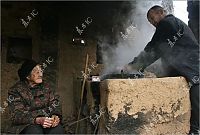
155 8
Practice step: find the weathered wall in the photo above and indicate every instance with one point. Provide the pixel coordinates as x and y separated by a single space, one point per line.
71 62
12 27
51 36
145 106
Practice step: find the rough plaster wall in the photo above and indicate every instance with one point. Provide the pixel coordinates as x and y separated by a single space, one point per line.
70 67
71 59
49 28
8 78
12 27
138 107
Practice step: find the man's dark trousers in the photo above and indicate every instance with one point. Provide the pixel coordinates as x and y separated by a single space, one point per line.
194 99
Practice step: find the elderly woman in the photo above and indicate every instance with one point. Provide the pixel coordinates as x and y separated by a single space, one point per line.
34 108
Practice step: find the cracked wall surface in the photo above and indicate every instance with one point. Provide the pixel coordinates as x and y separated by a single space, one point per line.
145 106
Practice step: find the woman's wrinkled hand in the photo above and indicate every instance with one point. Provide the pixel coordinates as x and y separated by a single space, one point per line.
44 121
56 121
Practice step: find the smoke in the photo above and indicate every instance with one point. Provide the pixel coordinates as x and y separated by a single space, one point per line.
130 40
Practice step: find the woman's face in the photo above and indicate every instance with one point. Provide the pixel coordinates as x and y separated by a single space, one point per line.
36 75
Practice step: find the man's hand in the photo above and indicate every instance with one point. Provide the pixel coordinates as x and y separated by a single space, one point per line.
44 121
56 120
127 68
130 68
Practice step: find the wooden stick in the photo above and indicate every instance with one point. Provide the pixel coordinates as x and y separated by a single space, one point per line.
82 91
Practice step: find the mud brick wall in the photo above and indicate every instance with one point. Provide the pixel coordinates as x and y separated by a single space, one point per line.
145 106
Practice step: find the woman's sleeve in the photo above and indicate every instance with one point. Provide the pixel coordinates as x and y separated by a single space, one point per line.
19 113
54 104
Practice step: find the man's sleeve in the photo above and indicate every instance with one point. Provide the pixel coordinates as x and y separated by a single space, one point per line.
144 59
151 52
20 114
167 29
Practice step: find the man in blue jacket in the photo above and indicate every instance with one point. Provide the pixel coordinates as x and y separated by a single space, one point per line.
174 42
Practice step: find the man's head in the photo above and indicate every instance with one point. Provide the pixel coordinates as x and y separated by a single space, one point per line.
156 14
31 71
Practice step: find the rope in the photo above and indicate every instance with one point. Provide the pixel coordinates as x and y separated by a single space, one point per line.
97 123
76 121
96 126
